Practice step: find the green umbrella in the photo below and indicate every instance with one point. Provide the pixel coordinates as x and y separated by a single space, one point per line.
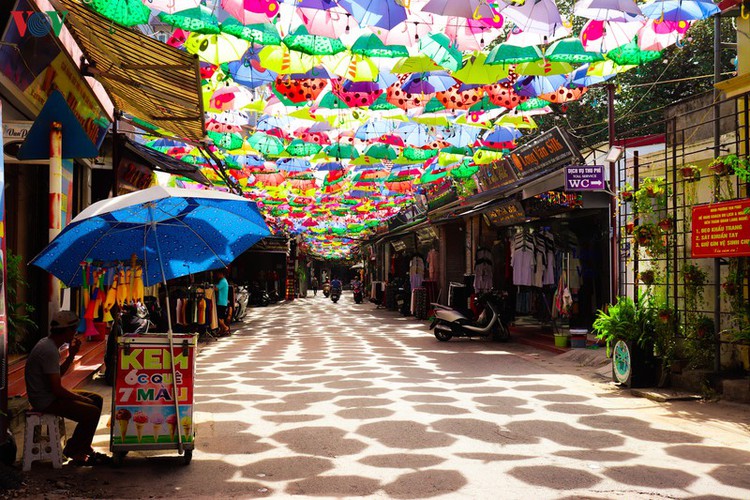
464 171
570 50
266 144
197 20
225 140
331 101
532 103
370 45
342 150
125 12
381 152
263 33
505 53
302 41
381 104
630 54
439 48
298 147
485 104
433 106
419 154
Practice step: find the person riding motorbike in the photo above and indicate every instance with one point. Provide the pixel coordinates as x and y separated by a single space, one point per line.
335 283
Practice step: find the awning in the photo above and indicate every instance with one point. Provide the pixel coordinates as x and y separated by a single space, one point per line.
161 162
144 77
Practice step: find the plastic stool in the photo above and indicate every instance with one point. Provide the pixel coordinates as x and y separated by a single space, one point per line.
43 439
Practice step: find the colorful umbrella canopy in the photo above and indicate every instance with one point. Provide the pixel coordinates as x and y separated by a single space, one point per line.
197 20
570 50
125 12
262 33
384 14
605 10
301 40
371 46
438 47
679 10
333 22
630 54
535 16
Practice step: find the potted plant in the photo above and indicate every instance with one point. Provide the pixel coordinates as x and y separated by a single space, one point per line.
653 186
628 328
690 173
732 284
627 192
694 276
728 164
666 224
629 227
651 195
647 277
651 238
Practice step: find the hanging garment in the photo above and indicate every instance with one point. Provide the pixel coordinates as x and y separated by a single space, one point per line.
523 259
483 276
416 271
212 319
433 265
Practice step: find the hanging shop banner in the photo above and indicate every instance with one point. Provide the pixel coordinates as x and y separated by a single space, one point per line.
506 213
584 178
440 193
495 174
721 230
426 235
546 153
144 412
133 176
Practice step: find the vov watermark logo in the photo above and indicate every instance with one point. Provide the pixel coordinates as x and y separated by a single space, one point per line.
39 24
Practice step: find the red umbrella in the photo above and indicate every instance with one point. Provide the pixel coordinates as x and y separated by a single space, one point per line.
404 100
563 95
356 94
460 96
304 89
391 140
503 93
314 137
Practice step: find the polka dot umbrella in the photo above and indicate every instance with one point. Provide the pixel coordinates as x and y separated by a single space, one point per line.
197 20
125 12
300 90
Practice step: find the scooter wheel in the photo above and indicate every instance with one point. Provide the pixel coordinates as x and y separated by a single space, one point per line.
501 333
442 335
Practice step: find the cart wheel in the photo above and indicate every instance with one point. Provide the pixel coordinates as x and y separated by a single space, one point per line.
621 362
187 457
118 457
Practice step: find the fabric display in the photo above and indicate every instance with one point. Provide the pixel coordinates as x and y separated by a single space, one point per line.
416 271
433 265
483 271
419 303
533 258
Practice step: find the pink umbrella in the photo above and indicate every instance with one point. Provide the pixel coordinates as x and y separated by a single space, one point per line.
471 35
655 35
468 9
535 16
230 97
251 11
608 10
333 22
172 6
410 31
603 36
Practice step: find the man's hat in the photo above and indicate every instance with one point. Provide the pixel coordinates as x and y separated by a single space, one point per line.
62 320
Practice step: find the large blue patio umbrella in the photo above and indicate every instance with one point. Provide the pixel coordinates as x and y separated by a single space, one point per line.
174 232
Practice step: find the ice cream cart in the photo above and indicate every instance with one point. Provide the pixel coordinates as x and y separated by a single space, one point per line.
146 414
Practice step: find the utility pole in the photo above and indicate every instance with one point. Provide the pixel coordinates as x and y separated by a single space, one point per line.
614 254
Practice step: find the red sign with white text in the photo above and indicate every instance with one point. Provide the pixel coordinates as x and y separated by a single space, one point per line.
721 230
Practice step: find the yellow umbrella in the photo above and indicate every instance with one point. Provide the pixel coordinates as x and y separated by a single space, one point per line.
517 121
474 121
216 49
354 67
476 71
433 120
607 67
284 61
543 68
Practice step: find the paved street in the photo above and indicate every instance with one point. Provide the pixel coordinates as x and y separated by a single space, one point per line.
321 400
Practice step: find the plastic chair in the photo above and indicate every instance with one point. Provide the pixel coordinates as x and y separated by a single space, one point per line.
43 439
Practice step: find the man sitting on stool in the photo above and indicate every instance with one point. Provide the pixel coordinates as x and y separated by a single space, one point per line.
46 393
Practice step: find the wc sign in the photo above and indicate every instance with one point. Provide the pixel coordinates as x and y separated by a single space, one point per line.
584 178
38 24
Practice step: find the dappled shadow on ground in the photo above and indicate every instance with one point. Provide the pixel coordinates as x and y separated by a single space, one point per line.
341 409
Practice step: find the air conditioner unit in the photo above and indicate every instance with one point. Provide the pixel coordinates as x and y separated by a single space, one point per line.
14 133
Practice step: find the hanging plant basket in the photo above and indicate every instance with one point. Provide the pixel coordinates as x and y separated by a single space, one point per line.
626 196
666 224
730 288
629 227
720 167
647 277
693 275
690 173
665 315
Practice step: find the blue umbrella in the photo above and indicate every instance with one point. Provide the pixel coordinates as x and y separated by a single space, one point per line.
384 14
329 166
428 83
249 73
173 232
373 128
532 86
580 78
293 164
679 10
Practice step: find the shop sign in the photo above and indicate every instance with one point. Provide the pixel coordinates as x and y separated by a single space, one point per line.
584 178
721 230
495 174
399 245
550 150
506 213
440 194
133 176
144 395
405 216
426 235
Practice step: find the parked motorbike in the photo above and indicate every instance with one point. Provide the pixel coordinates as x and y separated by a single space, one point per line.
326 289
258 296
335 294
449 323
241 299
273 296
357 292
